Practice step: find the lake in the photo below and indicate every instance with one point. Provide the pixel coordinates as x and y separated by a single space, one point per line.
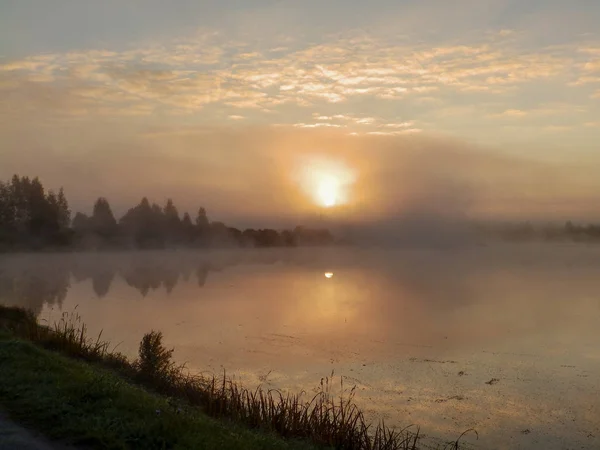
504 339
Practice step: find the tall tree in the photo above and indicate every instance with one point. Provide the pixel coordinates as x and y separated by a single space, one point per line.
31 217
19 203
202 221
145 224
51 225
7 213
187 228
173 228
64 213
203 230
37 206
103 221
81 223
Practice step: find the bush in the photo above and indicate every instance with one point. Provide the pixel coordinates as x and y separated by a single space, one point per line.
154 362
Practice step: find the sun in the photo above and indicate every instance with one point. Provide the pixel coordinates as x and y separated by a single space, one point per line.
326 182
328 193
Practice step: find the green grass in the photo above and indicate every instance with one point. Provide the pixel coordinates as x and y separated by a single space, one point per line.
80 404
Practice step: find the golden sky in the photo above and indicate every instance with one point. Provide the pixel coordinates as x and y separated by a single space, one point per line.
478 107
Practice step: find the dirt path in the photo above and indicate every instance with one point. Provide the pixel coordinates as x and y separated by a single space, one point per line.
15 437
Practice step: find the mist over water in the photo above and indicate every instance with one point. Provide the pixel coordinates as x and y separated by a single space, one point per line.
419 331
427 182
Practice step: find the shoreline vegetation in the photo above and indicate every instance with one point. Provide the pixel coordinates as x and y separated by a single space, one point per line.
33 218
59 381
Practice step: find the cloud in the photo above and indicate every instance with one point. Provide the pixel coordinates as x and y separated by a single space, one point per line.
545 110
187 75
557 128
512 113
26 65
581 81
395 133
318 125
505 33
400 125
589 70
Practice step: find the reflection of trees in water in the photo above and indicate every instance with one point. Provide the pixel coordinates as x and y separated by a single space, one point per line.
186 273
143 278
202 274
171 278
143 275
34 287
152 277
101 282
146 278
102 277
46 281
32 283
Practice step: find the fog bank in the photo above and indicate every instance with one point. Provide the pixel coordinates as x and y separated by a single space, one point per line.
420 184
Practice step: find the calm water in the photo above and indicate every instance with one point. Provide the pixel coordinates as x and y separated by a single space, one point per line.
421 333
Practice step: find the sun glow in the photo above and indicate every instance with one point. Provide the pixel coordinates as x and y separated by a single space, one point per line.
326 181
327 193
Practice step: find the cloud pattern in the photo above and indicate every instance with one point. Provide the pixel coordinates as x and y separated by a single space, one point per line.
357 82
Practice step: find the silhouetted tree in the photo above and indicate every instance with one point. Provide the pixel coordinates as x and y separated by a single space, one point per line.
7 214
288 239
31 217
187 228
52 214
267 238
203 230
218 234
307 236
103 221
81 223
202 219
64 213
144 225
173 228
235 236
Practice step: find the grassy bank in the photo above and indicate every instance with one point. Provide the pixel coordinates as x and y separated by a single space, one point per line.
83 405
99 398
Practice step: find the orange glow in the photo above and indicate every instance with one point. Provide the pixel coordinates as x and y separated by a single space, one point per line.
327 182
328 192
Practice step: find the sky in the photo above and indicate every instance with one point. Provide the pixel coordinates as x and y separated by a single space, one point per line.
481 108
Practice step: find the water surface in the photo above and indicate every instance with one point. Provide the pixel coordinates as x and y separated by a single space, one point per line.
503 339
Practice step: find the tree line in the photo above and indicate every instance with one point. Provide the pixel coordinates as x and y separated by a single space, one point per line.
33 218
526 231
